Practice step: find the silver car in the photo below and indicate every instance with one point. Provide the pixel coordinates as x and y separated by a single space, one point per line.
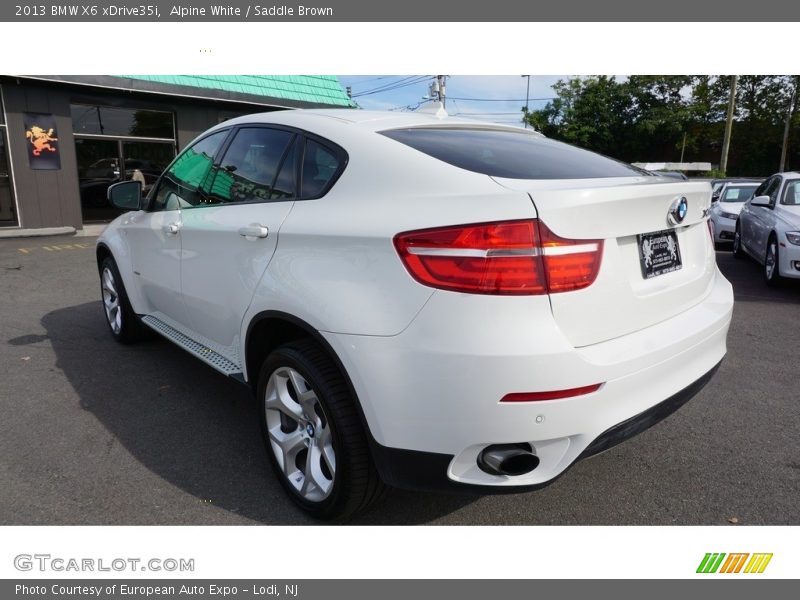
725 212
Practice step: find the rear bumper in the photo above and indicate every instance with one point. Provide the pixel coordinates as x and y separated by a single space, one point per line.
433 392
427 471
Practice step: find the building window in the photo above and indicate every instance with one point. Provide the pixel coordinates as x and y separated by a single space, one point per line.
127 122
8 211
118 144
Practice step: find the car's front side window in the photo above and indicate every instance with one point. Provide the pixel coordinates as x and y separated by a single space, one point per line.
769 188
761 190
258 166
182 184
773 191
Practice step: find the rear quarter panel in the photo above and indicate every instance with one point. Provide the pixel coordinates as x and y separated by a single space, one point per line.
336 267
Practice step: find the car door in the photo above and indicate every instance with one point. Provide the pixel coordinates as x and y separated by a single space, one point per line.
762 218
230 236
154 234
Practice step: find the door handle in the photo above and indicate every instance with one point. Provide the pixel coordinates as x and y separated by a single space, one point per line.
172 228
254 230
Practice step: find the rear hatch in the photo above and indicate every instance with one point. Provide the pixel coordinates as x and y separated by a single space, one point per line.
652 268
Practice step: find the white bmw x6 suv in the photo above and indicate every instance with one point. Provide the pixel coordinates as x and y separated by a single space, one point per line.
420 301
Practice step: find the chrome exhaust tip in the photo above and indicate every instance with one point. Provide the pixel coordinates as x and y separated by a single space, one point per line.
508 459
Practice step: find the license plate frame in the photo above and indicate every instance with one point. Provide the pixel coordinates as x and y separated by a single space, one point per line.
661 254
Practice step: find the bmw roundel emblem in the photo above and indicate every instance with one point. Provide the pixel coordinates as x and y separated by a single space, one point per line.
678 210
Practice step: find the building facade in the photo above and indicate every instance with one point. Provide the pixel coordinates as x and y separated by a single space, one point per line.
65 139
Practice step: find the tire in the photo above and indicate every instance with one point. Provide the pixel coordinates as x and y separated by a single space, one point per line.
321 433
738 251
771 263
122 322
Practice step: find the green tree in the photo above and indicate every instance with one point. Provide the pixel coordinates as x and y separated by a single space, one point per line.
645 118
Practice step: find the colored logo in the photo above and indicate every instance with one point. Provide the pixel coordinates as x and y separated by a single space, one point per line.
41 140
678 210
741 562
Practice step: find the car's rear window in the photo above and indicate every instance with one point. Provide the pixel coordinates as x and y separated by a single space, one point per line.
510 154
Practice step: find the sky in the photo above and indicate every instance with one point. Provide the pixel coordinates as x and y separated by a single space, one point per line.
490 98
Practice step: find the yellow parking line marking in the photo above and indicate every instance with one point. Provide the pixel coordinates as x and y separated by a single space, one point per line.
56 248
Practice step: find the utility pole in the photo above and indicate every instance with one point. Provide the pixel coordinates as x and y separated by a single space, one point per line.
527 96
683 147
438 94
726 142
785 147
439 90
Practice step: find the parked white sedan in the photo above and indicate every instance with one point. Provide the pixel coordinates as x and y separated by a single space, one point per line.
425 302
768 228
725 212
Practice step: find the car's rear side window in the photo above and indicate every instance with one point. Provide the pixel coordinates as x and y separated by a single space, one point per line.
511 154
320 166
250 166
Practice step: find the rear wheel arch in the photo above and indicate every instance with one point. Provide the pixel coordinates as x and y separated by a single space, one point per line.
271 329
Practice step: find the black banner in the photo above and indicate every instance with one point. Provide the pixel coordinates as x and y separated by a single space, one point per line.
349 589
41 136
406 11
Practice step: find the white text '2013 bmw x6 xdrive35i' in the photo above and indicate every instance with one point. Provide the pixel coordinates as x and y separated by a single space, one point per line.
420 301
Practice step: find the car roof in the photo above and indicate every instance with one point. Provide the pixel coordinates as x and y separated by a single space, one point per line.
370 120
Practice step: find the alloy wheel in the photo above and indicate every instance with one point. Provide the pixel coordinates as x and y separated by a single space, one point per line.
771 263
300 434
111 301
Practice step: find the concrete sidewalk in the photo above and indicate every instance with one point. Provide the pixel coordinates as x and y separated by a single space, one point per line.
92 230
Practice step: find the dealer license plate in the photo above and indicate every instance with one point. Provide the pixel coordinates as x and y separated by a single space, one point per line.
659 253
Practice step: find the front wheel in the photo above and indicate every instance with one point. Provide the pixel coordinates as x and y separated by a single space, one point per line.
313 434
771 270
122 321
738 252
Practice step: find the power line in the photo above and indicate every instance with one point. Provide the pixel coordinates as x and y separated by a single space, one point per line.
410 107
519 112
388 84
500 99
373 79
395 85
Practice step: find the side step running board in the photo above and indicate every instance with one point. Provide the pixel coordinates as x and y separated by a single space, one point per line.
204 353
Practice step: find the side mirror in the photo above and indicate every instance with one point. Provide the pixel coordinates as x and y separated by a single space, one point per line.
761 201
126 195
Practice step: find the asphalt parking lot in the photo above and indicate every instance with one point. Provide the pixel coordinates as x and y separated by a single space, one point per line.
95 433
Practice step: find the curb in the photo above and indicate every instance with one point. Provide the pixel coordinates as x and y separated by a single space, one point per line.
87 231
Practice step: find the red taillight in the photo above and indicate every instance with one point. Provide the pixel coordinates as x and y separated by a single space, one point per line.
550 395
508 257
569 264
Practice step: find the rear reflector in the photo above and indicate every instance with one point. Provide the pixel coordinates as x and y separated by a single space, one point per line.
509 257
551 395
